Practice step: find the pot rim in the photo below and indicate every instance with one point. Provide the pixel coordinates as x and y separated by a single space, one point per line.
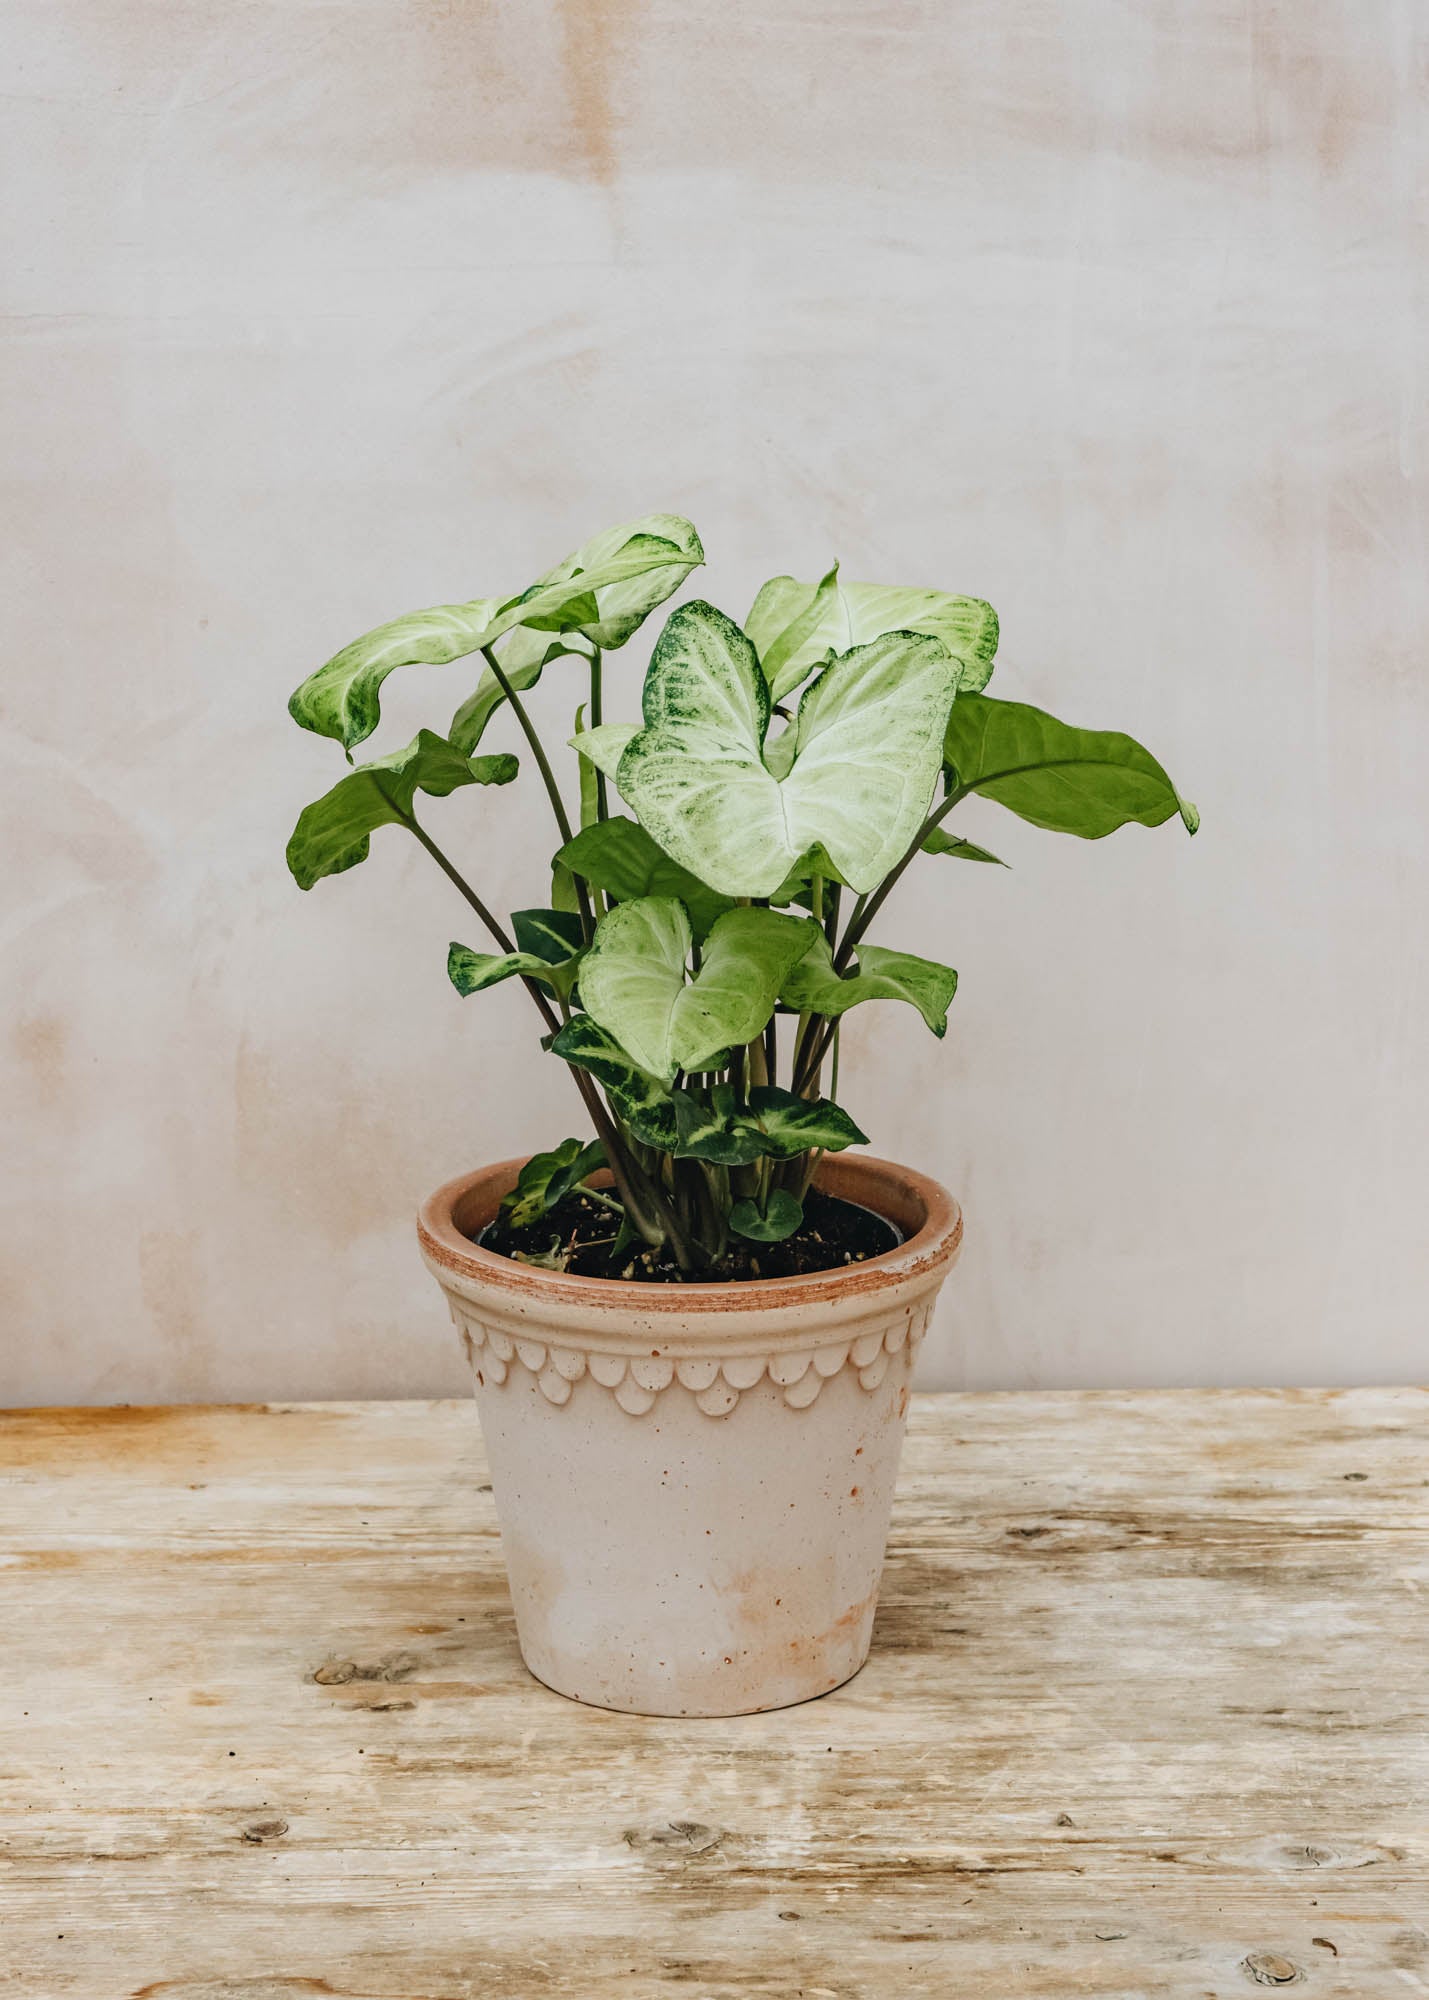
863 1178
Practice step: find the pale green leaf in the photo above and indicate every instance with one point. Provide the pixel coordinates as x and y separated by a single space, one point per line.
619 857
1083 781
634 984
601 593
868 749
333 833
783 619
814 987
796 626
604 745
523 654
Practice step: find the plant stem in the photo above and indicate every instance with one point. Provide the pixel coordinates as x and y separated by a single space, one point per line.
867 907
627 1173
602 805
548 778
542 762
864 912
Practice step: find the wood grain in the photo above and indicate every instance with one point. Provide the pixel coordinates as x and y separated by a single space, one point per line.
1145 1716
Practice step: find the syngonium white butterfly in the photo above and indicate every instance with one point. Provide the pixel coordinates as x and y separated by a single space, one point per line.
852 775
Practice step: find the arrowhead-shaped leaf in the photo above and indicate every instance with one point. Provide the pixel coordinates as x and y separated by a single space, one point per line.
548 1178
795 626
601 593
619 856
780 1217
868 747
814 987
332 833
1083 781
773 1124
633 980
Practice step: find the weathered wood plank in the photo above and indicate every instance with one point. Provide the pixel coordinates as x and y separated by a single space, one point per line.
1146 1716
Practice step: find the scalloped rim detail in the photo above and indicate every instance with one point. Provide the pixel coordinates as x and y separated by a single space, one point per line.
714 1383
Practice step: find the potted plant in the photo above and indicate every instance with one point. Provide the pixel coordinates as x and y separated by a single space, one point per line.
692 1330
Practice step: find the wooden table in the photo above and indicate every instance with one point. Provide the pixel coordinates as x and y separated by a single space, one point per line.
1146 1714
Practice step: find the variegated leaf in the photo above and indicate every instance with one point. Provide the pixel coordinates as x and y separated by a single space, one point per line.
602 593
634 982
333 833
867 748
795 626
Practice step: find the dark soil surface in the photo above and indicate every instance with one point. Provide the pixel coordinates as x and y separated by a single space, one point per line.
578 1236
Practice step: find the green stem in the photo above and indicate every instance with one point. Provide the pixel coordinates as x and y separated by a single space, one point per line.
602 804
627 1174
867 907
548 776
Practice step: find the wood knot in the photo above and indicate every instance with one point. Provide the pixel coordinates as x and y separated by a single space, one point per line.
680 1836
337 1673
1268 1968
259 1830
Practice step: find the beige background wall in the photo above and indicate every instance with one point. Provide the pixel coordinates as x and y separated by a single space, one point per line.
1110 312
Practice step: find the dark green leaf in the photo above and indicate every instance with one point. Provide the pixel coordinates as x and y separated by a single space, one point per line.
775 1124
1083 781
791 1125
332 833
780 1217
639 1098
554 935
548 1178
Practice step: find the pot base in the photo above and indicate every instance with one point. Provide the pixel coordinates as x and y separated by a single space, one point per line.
694 1482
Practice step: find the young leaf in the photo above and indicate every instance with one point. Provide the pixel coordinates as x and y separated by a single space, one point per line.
602 593
589 776
620 857
633 980
548 1178
784 623
814 987
1083 781
775 1124
780 1217
548 956
332 833
939 842
789 1125
868 748
643 1101
713 1130
796 626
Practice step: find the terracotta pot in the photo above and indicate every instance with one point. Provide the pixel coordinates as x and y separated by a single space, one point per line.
694 1481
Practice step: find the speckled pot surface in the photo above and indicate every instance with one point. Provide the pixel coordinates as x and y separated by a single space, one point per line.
694 1482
